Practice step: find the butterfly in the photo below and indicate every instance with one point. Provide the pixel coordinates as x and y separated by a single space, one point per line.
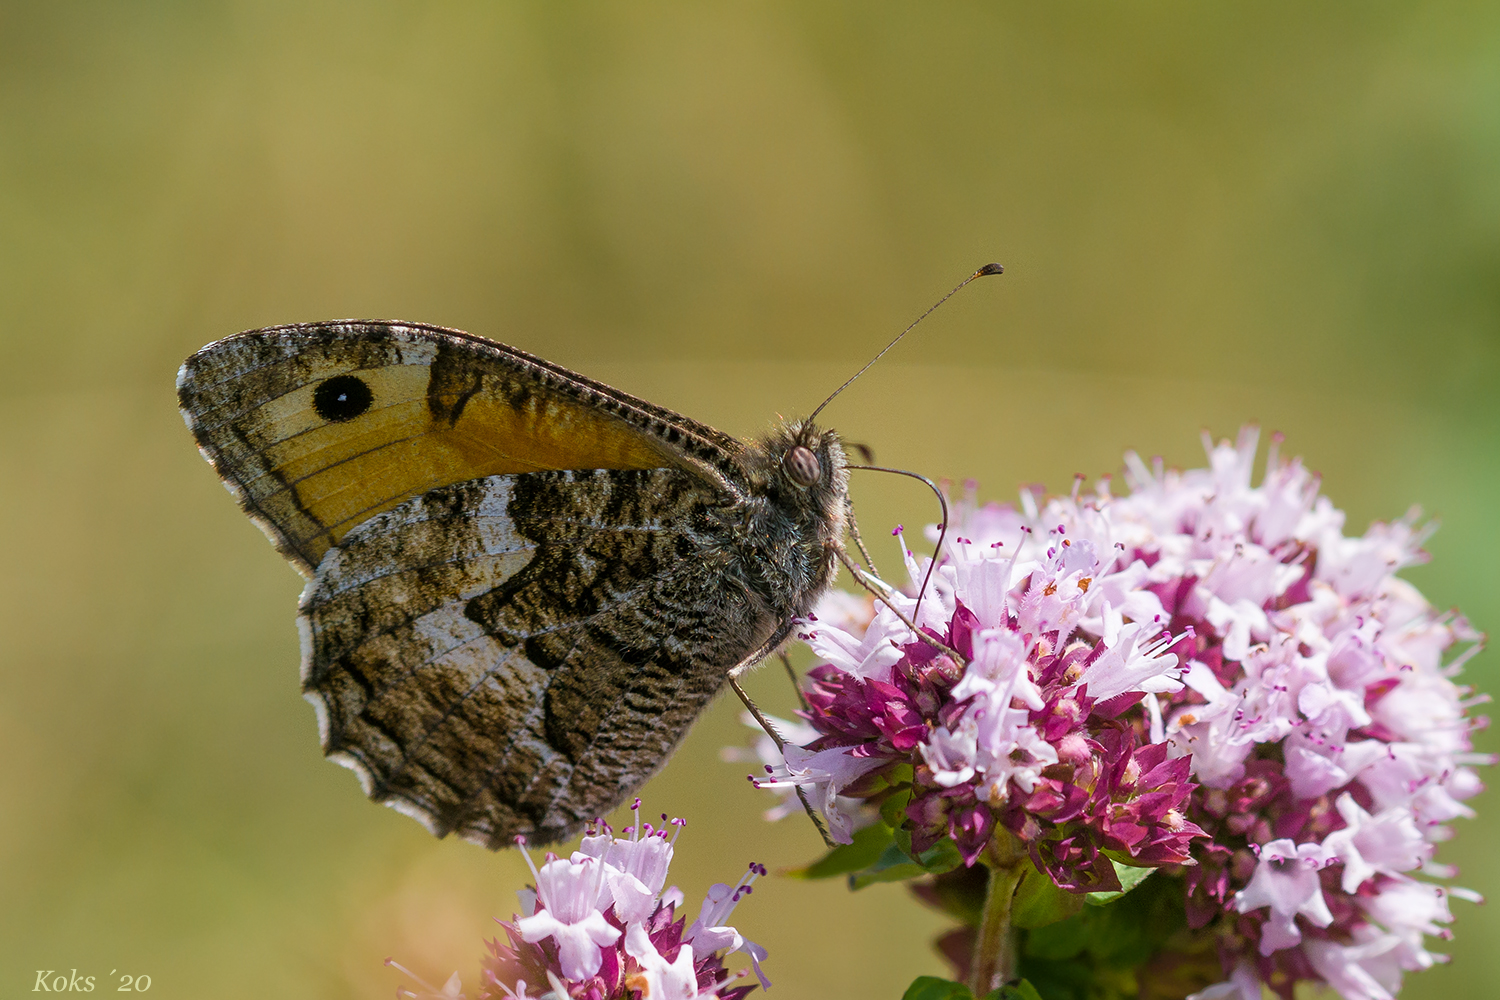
522 585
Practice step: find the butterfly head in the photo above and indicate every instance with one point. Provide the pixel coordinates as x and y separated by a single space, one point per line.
799 469
808 459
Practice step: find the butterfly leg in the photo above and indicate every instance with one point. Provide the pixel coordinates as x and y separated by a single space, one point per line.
859 542
864 580
786 661
776 737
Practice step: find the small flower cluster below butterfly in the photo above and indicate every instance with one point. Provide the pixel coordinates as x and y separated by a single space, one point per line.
598 925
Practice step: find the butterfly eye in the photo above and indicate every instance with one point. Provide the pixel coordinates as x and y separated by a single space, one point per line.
802 466
342 397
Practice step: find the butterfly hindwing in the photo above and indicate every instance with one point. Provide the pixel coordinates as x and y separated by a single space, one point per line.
515 654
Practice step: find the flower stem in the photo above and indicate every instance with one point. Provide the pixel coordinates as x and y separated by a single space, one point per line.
994 962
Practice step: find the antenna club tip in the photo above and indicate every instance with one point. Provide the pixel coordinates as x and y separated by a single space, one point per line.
989 269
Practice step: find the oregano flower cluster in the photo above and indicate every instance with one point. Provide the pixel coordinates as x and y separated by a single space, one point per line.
1204 677
601 924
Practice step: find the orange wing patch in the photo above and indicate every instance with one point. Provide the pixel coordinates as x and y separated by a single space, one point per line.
310 468
346 472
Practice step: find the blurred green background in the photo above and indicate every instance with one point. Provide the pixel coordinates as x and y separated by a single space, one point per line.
1209 214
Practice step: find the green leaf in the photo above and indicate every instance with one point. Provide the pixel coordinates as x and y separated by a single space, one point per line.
894 865
1129 875
1096 953
940 857
1015 991
893 808
1060 940
898 863
1068 979
902 839
868 846
959 893
933 988
1128 931
1039 901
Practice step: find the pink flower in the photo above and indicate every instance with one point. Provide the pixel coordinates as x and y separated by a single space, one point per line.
1206 673
1242 984
1318 713
1368 845
599 926
635 869
1286 880
603 927
1351 968
711 932
1025 729
567 912
662 979
827 773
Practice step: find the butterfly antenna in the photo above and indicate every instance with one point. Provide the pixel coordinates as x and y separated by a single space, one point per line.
986 269
942 525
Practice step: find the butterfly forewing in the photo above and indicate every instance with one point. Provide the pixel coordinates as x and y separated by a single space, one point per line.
320 427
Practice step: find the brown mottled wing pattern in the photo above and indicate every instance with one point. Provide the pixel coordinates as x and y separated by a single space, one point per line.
515 654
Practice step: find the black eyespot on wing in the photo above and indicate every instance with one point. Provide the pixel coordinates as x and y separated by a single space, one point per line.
342 397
